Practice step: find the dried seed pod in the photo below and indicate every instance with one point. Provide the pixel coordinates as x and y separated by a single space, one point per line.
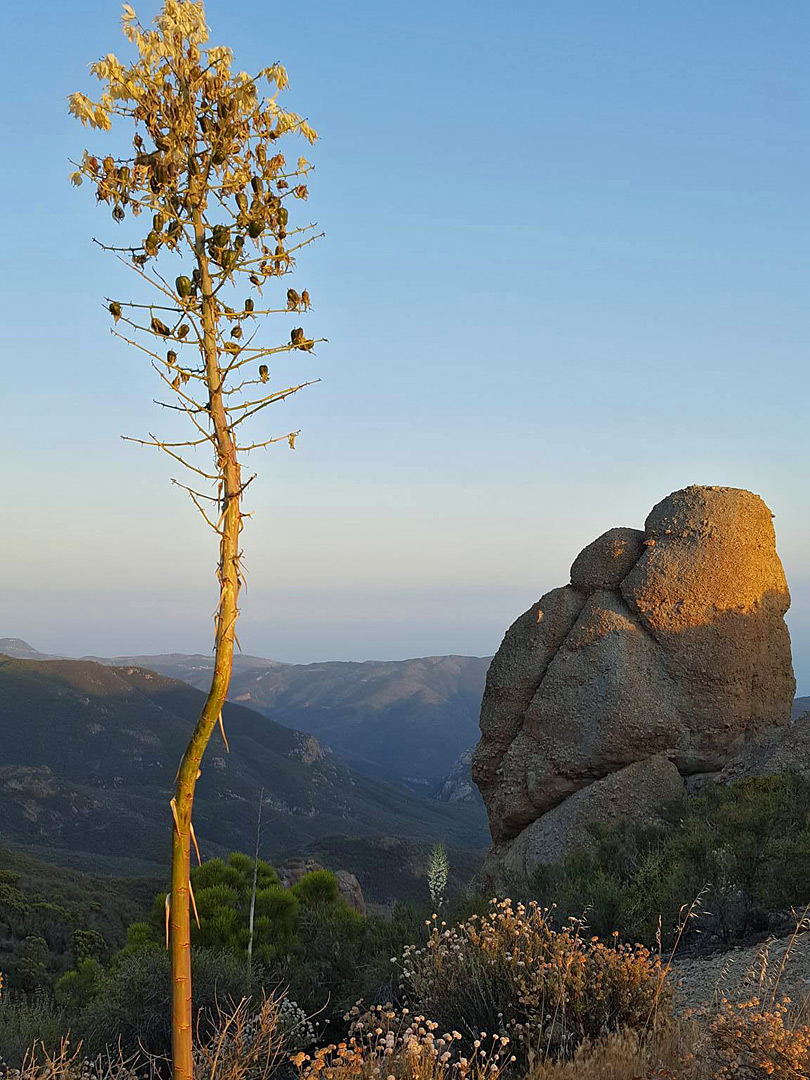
160 327
171 357
115 310
297 335
182 330
257 184
158 221
248 304
242 201
230 257
236 332
293 300
305 299
118 213
255 229
264 374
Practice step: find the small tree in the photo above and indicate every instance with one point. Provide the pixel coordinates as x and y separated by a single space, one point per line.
207 174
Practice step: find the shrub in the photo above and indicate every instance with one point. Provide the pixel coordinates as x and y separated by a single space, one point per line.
746 1041
77 988
133 1000
251 1044
317 888
25 1021
387 1044
240 1043
747 844
512 973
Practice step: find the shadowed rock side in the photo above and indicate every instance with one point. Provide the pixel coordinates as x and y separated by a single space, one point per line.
669 648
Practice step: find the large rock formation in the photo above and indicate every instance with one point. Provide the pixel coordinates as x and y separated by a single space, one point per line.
668 648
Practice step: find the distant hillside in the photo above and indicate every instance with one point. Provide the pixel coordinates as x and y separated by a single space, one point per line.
403 720
21 650
90 754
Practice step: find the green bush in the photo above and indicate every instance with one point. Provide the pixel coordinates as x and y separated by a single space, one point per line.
25 1021
744 848
78 988
133 999
317 888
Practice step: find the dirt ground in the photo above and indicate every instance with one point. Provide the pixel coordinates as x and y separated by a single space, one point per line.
770 971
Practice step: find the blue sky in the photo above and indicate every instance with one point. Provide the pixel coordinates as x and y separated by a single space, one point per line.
565 273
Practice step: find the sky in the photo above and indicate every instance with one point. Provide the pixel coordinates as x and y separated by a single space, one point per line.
564 274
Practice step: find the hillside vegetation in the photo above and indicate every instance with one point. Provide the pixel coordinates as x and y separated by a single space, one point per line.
404 720
90 753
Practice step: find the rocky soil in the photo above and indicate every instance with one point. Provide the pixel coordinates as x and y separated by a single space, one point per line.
770 971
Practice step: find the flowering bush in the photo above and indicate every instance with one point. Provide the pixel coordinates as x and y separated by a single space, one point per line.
547 989
387 1045
746 1040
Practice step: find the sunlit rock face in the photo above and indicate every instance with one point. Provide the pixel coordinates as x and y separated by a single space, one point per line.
669 645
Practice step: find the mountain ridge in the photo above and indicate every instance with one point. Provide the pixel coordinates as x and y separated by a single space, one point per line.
90 754
406 721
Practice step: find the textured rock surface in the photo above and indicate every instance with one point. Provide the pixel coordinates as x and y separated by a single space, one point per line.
458 785
668 645
637 791
606 562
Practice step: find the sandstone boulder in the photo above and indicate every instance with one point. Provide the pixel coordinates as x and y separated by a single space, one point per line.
606 562
668 646
635 792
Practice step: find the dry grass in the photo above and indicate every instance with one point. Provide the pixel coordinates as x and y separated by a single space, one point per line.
246 1044
624 1055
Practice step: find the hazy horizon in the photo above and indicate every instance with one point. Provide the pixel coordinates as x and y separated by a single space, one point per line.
564 274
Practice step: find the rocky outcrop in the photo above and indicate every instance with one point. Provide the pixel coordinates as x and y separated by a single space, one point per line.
458 785
636 792
668 648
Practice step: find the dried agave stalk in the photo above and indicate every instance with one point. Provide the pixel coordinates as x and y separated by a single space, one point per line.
207 173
